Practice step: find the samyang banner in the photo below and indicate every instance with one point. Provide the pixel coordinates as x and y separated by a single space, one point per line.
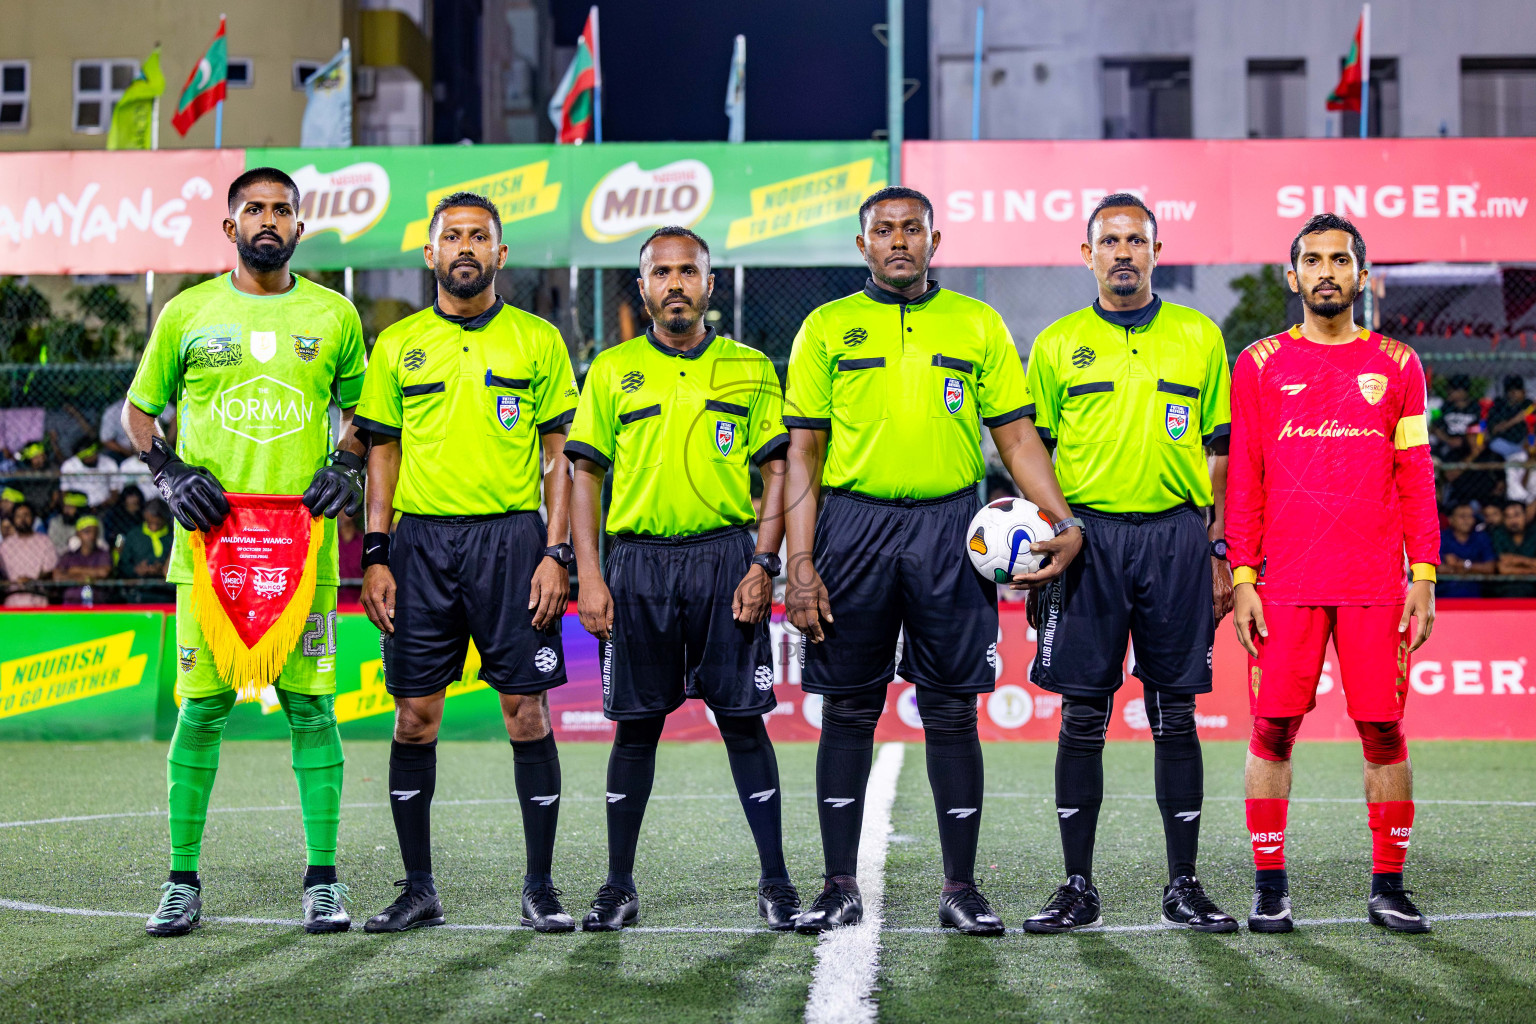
1026 203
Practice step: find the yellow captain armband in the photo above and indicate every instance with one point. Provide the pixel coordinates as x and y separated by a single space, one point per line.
1411 432
1244 574
1423 571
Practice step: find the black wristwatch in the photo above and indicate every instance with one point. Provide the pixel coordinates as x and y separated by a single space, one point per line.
770 562
1219 548
562 553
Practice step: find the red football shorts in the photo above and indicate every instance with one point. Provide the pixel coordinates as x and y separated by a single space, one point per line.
1373 661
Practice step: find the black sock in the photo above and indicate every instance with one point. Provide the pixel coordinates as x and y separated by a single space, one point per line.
1080 778
956 775
1179 771
536 769
631 770
843 759
755 770
185 878
412 780
319 874
1272 878
1386 881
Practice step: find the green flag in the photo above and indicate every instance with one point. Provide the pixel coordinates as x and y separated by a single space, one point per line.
133 119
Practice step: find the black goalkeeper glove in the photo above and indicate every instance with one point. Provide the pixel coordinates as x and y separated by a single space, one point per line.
337 486
194 494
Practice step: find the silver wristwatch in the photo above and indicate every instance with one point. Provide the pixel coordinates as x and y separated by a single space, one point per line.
1062 526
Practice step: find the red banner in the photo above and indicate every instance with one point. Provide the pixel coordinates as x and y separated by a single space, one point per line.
116 213
1470 681
1025 203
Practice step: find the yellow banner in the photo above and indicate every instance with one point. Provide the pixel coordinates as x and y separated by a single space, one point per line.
518 194
372 699
70 673
804 202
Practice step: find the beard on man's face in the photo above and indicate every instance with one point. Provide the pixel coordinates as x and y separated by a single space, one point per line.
1124 288
1334 304
461 287
681 322
265 251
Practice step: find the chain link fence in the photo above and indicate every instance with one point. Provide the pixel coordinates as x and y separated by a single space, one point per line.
69 346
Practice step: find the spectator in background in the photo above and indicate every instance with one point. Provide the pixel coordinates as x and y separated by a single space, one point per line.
61 528
91 473
125 516
1516 550
1454 425
1493 517
142 554
114 438
10 497
349 548
26 556
1507 431
1464 550
39 492
87 559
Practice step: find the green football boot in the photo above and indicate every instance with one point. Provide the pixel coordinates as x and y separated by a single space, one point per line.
181 910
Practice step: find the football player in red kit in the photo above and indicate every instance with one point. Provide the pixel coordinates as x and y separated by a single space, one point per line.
1329 484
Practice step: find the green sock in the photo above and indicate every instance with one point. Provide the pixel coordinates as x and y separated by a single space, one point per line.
191 765
317 765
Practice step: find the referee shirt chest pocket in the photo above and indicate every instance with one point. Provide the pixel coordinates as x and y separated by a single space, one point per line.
723 428
424 412
1176 414
507 405
1088 414
859 389
639 444
952 388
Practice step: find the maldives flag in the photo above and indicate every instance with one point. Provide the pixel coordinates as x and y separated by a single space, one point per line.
205 85
1346 95
571 107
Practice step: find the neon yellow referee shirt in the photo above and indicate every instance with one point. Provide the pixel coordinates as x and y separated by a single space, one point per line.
468 400
1131 410
903 387
678 428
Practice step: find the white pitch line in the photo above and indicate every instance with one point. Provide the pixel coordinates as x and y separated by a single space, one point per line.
1294 799
847 959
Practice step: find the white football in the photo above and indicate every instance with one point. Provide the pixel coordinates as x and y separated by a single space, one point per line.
998 539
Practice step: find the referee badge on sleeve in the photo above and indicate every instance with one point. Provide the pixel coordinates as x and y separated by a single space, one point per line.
725 436
1176 420
954 393
507 410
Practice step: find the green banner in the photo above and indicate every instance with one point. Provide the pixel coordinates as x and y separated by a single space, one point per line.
757 204
80 675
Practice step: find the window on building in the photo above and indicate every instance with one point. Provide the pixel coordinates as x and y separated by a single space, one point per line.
303 70
1384 101
98 84
241 73
1277 99
1147 99
1498 96
15 83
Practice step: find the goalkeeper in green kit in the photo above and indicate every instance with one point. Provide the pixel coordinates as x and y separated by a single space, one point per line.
253 359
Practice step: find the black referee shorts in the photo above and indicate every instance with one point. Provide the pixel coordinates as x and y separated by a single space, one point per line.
889 565
459 578
674 635
1143 576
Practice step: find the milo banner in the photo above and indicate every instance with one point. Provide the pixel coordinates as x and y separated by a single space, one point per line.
759 204
80 676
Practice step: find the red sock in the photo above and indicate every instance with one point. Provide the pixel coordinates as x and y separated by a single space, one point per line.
1391 827
1266 824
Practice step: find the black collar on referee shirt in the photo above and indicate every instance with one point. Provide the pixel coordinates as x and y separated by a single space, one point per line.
879 294
470 323
687 353
1130 319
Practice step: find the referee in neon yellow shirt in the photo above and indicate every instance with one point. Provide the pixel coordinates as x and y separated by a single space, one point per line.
1132 392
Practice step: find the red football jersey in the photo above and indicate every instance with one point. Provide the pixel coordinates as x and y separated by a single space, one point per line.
1329 480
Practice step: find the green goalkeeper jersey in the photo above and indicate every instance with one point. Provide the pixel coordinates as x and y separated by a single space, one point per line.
253 377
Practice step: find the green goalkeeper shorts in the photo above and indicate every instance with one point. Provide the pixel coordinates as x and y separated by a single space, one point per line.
310 668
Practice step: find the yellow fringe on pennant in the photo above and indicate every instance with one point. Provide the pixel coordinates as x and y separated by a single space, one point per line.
258 666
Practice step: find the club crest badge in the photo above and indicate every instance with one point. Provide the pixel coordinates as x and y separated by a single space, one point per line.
269 582
186 657
1176 421
232 577
954 393
508 410
263 345
1373 387
306 348
725 436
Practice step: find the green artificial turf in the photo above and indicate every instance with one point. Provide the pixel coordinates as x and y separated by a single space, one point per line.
697 870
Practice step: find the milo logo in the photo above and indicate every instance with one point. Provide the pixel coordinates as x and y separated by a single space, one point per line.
628 200
348 201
